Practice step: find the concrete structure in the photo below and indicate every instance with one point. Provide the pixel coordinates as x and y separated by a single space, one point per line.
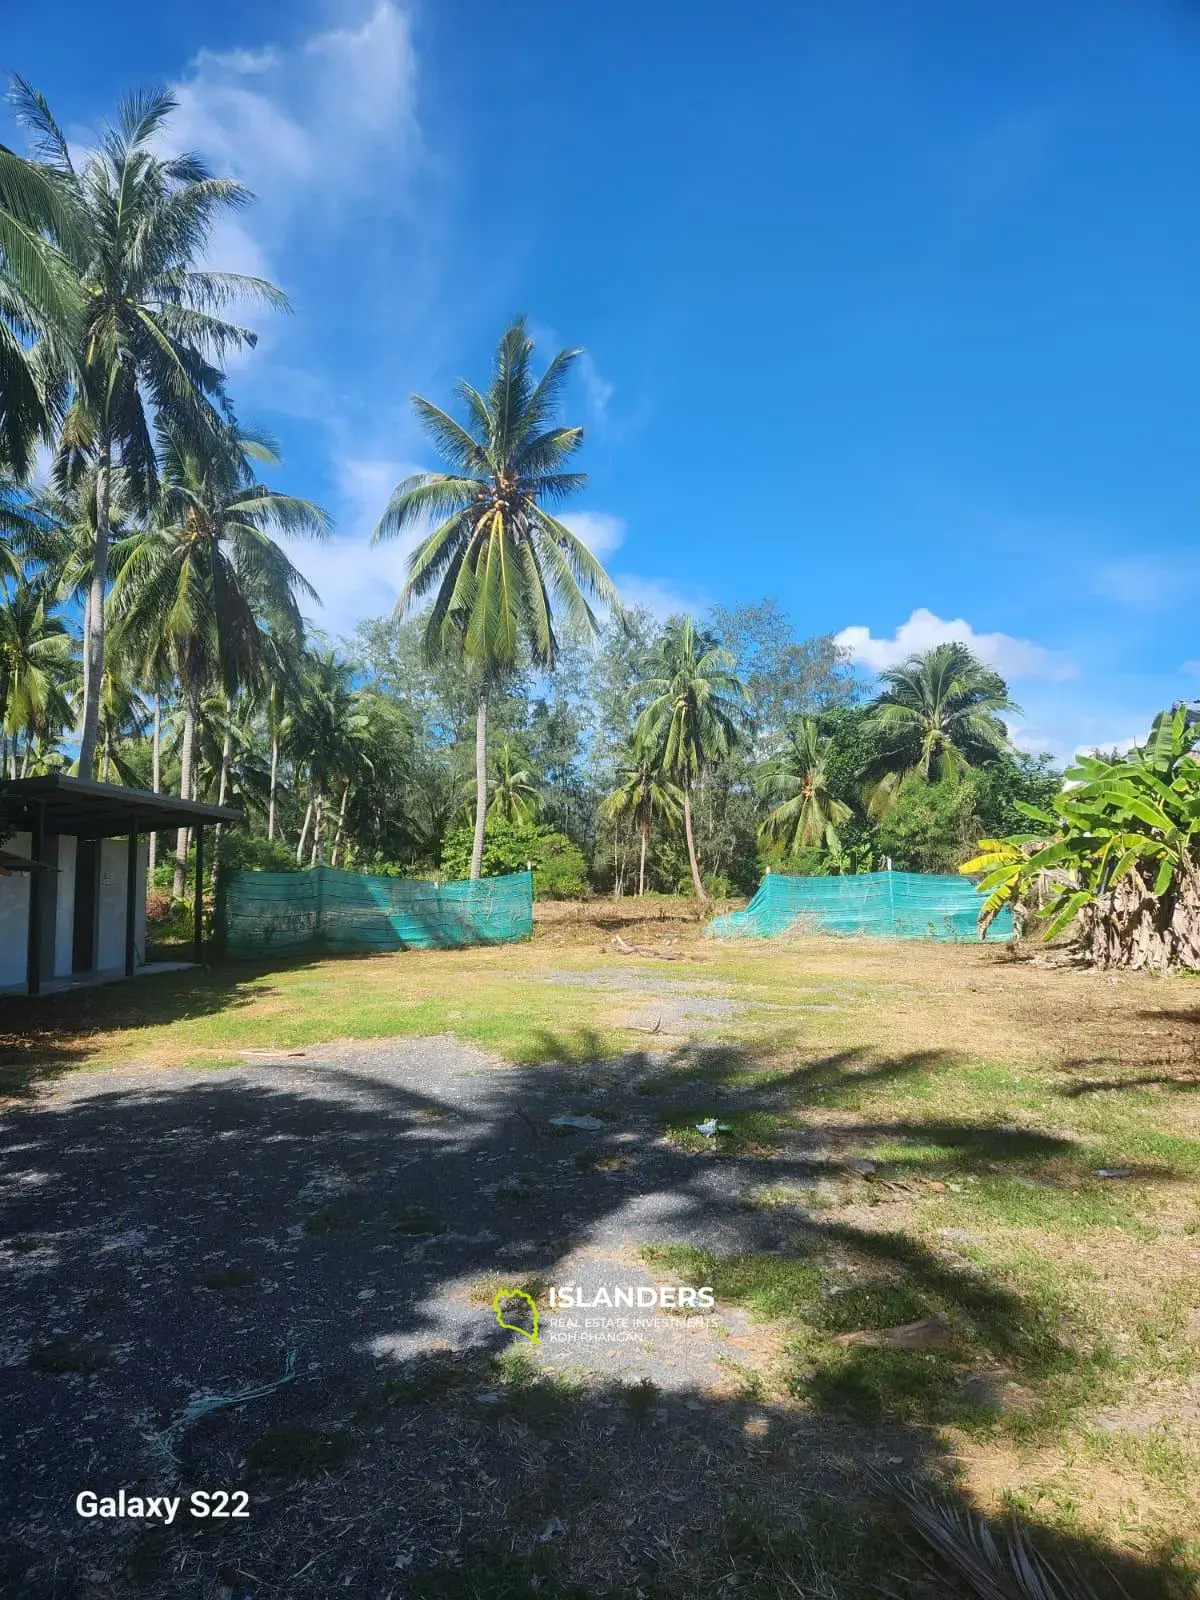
73 878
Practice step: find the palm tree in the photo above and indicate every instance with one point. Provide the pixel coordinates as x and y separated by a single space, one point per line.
123 714
150 330
697 710
21 526
808 814
282 653
643 792
937 716
36 667
498 563
514 787
195 587
328 733
40 304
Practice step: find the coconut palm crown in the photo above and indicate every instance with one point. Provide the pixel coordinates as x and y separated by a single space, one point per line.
938 714
152 329
696 713
499 564
807 814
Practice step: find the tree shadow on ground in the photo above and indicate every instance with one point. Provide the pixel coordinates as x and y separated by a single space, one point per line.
356 1215
1142 1061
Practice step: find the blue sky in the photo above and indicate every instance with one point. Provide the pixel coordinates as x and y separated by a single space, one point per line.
892 307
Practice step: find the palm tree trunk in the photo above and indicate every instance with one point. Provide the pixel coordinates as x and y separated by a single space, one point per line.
480 781
226 752
93 663
187 762
308 815
222 786
691 844
155 778
645 831
341 823
318 818
274 778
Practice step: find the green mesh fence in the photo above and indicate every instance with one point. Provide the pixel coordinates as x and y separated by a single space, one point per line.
882 905
324 910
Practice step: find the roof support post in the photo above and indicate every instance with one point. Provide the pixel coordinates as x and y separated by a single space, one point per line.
131 864
198 914
37 845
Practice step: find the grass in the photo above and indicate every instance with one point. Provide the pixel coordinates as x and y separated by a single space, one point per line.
957 1105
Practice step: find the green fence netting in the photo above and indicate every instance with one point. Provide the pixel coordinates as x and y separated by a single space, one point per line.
324 910
882 905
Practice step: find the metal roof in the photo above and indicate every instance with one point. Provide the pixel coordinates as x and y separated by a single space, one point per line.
93 810
13 863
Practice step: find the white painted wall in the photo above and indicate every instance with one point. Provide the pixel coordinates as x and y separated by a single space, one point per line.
14 919
110 934
64 906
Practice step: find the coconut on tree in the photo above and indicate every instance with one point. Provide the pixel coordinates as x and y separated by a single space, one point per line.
500 568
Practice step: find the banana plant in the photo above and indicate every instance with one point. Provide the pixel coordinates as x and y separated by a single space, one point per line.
1132 822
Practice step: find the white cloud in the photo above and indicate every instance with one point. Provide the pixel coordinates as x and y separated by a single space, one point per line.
657 596
1192 668
1143 582
598 390
1011 657
311 130
600 530
353 578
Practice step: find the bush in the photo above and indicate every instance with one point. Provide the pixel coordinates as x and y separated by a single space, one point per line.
929 827
243 852
559 868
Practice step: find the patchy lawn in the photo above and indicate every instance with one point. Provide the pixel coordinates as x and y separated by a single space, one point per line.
950 1211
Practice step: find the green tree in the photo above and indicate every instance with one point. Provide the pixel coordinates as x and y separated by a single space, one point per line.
1117 854
151 331
786 678
643 793
36 670
513 786
807 815
1012 780
936 716
498 563
41 305
929 827
328 737
558 866
695 713
197 586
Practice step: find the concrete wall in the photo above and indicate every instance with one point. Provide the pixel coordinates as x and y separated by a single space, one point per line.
14 919
110 933
139 909
64 906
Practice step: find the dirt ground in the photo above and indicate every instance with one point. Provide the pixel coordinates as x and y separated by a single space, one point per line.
278 1275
